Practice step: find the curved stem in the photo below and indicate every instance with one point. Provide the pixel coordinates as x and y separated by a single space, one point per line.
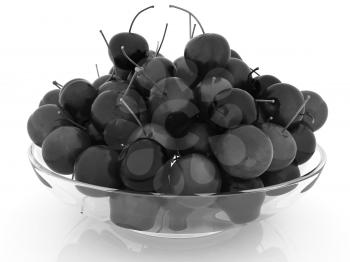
161 43
58 85
190 24
132 22
98 73
182 9
127 57
297 113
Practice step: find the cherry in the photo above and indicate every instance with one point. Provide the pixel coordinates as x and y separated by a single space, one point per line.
154 132
241 207
98 165
117 132
107 107
287 100
305 141
281 176
234 54
190 174
283 143
142 160
240 72
316 111
136 47
76 97
44 120
236 105
95 136
50 97
261 83
171 105
119 73
156 69
184 72
134 212
101 80
115 85
197 139
62 146
235 185
244 152
207 51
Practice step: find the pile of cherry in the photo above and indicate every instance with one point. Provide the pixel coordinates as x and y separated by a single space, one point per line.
205 123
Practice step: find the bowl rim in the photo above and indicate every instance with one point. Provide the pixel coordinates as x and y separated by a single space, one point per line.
316 170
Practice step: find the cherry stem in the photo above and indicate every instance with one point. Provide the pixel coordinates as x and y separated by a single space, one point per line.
157 46
62 112
132 23
253 71
182 9
212 82
161 43
58 85
140 68
190 24
297 113
127 57
265 101
98 72
194 28
133 115
109 49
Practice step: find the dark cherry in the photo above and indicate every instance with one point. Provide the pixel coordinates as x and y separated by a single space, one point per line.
207 51
288 100
135 46
244 152
272 178
142 160
190 174
184 72
107 107
98 165
76 97
119 73
101 80
50 97
114 85
305 140
196 141
233 107
316 111
134 212
44 120
117 133
171 105
283 143
155 132
241 207
221 72
95 136
261 83
239 72
62 147
155 69
234 54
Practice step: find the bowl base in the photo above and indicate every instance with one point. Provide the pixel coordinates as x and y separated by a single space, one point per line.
172 235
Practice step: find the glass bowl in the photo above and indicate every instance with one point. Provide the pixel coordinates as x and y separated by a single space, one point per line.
177 216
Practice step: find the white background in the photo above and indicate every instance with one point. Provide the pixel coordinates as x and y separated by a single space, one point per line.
304 43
